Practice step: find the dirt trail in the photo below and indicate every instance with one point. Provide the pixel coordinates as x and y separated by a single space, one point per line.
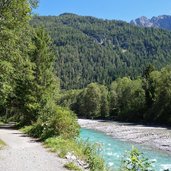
25 154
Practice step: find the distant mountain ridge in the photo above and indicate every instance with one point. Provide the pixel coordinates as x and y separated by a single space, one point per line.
162 22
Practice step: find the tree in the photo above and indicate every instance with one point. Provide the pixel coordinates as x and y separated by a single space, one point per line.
127 99
89 102
104 102
160 111
6 86
43 58
147 86
28 85
41 87
14 48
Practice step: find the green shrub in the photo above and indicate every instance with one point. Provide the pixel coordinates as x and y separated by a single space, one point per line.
62 122
83 150
59 122
26 129
135 161
34 130
96 163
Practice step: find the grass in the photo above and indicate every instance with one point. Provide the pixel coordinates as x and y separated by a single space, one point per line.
2 144
26 129
82 150
1 123
63 146
72 166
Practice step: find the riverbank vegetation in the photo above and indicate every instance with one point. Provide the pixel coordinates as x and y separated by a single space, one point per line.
135 160
79 155
145 99
86 154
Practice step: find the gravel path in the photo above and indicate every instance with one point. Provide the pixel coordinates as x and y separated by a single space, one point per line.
155 137
25 154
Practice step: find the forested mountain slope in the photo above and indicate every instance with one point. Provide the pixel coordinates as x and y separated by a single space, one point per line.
95 50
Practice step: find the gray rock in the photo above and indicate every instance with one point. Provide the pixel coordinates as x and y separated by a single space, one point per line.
162 22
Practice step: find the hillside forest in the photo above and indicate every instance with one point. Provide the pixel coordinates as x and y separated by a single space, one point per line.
89 50
116 70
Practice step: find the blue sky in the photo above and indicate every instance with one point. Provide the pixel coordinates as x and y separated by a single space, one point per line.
107 9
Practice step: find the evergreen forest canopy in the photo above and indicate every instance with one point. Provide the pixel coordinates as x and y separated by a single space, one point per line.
88 49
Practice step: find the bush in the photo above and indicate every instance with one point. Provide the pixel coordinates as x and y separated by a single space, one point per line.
62 122
135 161
58 122
34 130
93 158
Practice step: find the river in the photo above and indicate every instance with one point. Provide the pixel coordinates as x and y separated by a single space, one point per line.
113 150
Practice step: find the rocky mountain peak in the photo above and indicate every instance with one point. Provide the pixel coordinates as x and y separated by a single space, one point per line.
162 21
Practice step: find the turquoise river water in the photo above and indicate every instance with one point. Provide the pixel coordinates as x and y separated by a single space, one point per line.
113 150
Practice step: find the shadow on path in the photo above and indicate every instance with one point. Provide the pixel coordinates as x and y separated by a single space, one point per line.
10 125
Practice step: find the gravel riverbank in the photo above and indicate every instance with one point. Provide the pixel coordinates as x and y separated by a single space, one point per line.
155 137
